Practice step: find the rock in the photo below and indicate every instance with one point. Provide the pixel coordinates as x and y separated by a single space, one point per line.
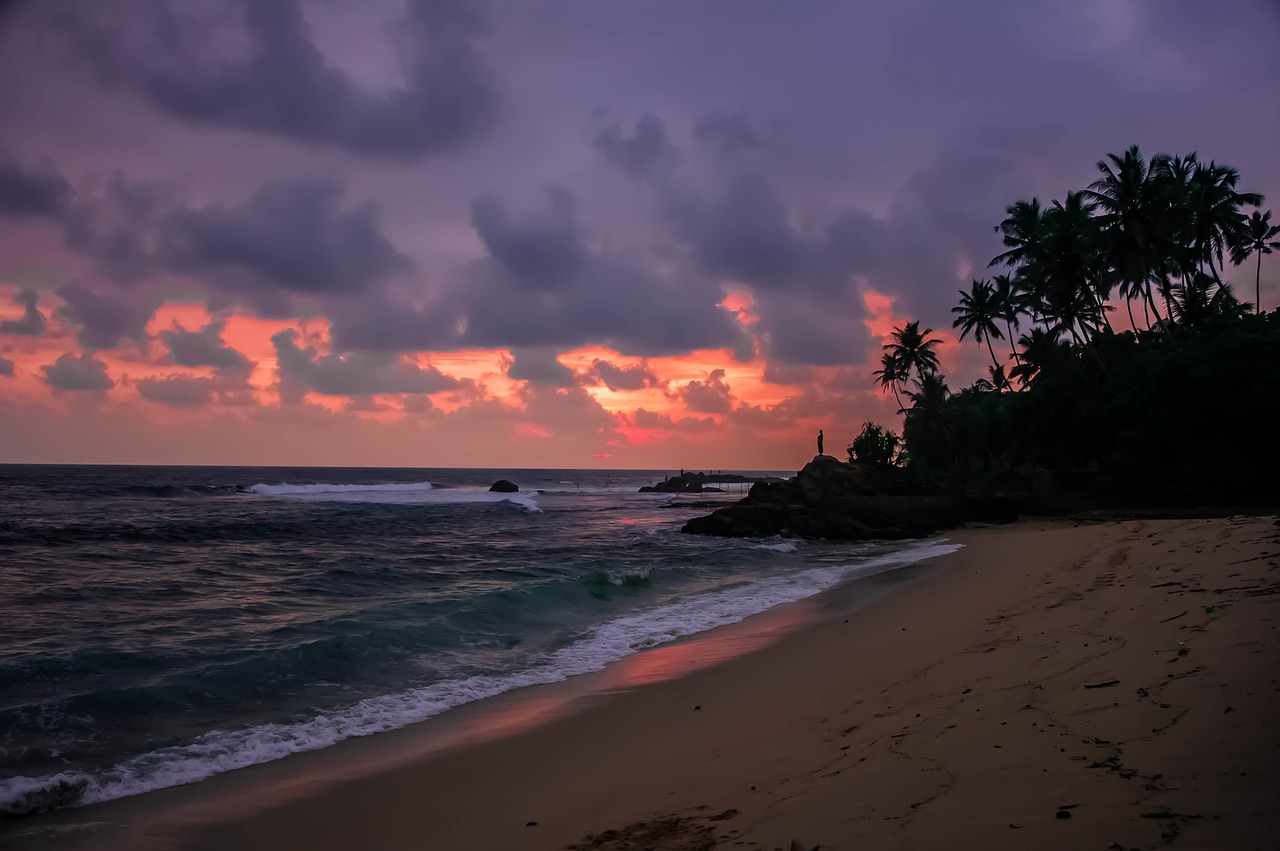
847 501
697 483
504 486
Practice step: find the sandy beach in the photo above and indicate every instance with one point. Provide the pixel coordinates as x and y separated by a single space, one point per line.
1053 685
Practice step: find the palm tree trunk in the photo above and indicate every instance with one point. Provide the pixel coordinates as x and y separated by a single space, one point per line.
895 397
1012 347
1128 305
1257 286
994 362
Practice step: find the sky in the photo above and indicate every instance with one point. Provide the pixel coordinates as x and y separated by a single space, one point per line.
548 233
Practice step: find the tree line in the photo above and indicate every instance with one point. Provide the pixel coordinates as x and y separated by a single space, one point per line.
1181 398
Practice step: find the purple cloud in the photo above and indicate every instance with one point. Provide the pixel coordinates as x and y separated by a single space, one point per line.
280 83
32 322
38 191
80 374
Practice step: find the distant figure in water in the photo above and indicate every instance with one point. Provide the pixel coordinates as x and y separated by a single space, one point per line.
819 441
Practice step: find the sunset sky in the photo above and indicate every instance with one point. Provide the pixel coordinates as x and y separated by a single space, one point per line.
528 233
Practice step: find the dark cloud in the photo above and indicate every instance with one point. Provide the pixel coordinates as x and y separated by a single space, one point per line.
356 374
177 391
645 151
38 191
546 251
6 367
279 83
118 226
820 331
32 323
540 366
106 314
644 418
84 373
745 235
189 391
636 302
728 133
779 416
622 378
417 404
290 234
711 396
203 348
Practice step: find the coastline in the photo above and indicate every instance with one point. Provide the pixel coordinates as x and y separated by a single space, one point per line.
981 699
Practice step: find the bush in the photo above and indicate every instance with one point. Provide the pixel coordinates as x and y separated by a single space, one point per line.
875 444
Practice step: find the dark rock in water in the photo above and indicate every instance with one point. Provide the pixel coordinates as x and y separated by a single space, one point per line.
698 483
504 486
847 501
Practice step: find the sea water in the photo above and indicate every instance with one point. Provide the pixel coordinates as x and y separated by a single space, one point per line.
162 625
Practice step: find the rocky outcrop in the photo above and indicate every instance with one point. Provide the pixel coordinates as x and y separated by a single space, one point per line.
504 486
833 499
699 482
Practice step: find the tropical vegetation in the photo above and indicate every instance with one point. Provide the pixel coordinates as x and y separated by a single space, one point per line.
1181 400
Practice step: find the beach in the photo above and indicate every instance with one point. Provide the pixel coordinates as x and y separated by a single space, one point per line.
1053 684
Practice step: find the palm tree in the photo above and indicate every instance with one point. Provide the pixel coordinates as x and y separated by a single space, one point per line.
1259 239
997 379
927 426
1217 223
1006 306
912 350
1021 233
1071 273
1132 205
890 375
977 313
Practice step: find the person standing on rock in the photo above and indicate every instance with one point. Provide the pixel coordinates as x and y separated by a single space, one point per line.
819 441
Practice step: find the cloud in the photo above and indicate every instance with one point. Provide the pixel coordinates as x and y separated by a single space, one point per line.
177 391
622 378
279 83
728 133
39 191
290 234
119 226
540 286
203 348
745 235
83 374
644 418
711 396
355 374
541 367
32 323
645 151
106 314
546 252
6 367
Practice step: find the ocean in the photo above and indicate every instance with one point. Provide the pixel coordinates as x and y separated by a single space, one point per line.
160 625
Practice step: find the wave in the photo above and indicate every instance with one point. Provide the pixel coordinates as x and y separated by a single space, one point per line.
183 490
286 489
411 493
225 750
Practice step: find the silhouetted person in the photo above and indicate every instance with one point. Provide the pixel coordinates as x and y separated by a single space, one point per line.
819 441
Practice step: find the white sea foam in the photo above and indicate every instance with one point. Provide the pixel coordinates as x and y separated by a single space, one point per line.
412 493
226 750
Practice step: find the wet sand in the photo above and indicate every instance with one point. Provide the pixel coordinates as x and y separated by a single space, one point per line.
1052 685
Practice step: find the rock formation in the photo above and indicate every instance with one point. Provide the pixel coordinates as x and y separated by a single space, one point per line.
847 501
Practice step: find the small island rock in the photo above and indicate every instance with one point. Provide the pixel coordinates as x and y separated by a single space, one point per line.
504 486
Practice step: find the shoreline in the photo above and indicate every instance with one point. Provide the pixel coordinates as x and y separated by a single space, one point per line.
842 731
